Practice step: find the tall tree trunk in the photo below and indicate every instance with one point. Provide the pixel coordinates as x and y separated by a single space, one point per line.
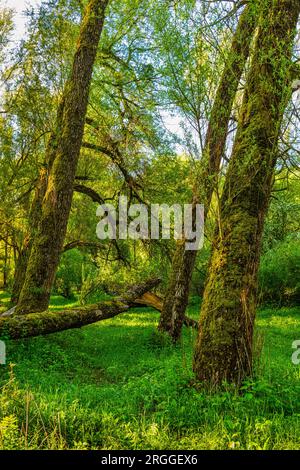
224 346
176 298
34 215
55 209
36 208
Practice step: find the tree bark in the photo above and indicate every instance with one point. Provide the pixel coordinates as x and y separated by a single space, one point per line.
150 299
223 350
20 326
176 298
36 209
35 324
6 262
56 204
34 215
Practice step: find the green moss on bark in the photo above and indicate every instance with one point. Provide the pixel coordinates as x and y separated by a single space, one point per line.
224 346
176 298
63 151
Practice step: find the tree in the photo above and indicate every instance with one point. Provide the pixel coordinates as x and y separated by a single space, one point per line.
120 128
37 75
63 150
35 214
223 350
176 298
35 324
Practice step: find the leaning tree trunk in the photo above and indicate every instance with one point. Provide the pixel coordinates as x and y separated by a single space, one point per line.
35 211
224 346
176 298
48 240
34 216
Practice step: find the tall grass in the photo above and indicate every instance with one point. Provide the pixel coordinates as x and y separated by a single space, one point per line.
119 385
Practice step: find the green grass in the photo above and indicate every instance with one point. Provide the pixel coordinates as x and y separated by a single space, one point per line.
119 385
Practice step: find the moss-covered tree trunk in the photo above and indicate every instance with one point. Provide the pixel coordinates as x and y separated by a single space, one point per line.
176 298
34 215
14 326
36 210
224 346
23 258
48 240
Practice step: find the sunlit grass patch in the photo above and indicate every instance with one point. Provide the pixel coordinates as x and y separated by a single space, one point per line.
118 384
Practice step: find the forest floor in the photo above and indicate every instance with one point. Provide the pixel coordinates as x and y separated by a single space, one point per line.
119 385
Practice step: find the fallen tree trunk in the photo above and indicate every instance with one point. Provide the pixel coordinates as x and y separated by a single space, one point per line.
14 326
36 324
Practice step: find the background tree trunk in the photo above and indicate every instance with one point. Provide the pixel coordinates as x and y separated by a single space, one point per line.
48 240
5 262
176 298
224 347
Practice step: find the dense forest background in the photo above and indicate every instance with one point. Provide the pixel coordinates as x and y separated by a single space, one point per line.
165 102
